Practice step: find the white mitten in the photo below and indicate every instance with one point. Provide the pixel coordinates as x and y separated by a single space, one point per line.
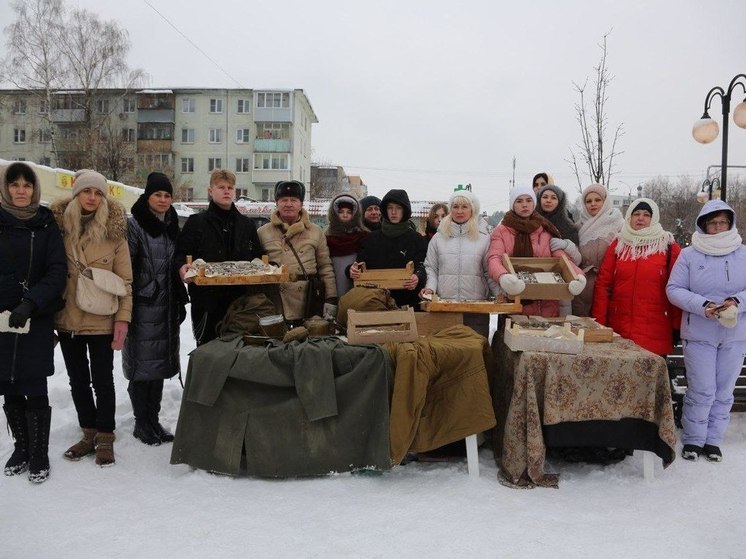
512 284
728 317
576 286
555 243
572 251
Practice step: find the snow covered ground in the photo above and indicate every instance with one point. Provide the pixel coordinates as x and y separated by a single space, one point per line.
144 507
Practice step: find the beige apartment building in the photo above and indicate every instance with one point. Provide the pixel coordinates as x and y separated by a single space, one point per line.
262 135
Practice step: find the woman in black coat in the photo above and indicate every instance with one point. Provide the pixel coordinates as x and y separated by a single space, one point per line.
33 271
395 244
151 349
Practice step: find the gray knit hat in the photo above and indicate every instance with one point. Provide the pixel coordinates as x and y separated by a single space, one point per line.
85 178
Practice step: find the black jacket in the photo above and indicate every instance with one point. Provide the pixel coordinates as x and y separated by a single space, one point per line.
30 250
216 235
151 349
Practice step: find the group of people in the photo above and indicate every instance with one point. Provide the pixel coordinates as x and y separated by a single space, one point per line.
631 276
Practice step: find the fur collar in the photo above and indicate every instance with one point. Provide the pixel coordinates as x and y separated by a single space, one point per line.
291 230
151 224
116 227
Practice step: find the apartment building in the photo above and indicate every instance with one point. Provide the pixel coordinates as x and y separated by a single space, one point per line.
262 135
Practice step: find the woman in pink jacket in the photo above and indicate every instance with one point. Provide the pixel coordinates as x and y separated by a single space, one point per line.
525 233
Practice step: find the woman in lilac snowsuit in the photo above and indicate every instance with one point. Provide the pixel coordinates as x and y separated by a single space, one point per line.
708 282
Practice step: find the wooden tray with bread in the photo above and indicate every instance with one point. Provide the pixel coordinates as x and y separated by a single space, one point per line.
237 272
499 305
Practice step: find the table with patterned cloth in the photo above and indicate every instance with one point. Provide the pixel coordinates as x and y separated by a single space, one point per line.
610 395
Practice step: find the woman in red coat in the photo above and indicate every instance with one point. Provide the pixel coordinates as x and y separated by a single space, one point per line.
630 294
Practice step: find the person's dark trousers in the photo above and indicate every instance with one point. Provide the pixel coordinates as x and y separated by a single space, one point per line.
139 392
98 414
155 395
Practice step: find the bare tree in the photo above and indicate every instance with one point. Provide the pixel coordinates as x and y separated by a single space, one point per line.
595 155
52 49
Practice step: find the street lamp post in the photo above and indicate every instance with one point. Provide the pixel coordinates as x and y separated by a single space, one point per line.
705 130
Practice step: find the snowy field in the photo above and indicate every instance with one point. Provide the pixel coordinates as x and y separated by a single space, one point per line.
144 507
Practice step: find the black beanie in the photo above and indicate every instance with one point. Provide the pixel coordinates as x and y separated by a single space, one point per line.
156 182
369 201
644 206
293 189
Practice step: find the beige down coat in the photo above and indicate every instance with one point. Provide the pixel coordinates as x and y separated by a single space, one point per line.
112 254
310 243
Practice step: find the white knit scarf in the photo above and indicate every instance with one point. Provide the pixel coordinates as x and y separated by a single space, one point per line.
718 244
604 225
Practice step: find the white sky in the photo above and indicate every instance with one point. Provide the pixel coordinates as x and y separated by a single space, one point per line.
427 94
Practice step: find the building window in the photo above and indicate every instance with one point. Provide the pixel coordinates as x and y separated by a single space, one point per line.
273 100
155 132
243 106
102 106
273 131
43 107
46 161
154 161
242 136
188 194
215 136
214 163
187 164
242 193
128 135
265 195
19 135
216 105
187 135
129 105
19 107
271 161
188 105
242 165
45 135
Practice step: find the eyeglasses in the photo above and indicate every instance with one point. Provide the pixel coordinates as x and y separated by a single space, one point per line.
718 222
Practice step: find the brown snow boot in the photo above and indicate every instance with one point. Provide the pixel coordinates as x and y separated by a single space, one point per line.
83 447
104 445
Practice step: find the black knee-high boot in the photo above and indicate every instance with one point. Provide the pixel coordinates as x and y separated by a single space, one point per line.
138 392
155 395
16 414
38 421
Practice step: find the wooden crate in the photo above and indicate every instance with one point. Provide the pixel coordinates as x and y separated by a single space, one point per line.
252 279
378 327
518 338
386 278
438 305
544 291
593 332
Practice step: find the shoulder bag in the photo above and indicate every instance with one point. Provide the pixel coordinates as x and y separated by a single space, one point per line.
315 292
97 290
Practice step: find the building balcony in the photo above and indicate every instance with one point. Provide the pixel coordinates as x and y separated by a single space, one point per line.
273 115
68 115
154 146
156 115
271 146
270 176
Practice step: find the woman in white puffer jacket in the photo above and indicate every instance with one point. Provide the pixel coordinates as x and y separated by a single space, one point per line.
456 261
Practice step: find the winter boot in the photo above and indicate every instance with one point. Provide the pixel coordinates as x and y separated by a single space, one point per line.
18 461
691 452
38 428
138 392
83 447
104 445
712 453
155 395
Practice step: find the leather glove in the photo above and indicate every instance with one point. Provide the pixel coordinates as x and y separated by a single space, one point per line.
512 284
576 286
330 311
21 314
555 243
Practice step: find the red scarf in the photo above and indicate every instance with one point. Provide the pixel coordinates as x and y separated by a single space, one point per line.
342 245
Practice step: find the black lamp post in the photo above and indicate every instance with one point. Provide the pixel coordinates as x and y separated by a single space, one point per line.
711 185
705 130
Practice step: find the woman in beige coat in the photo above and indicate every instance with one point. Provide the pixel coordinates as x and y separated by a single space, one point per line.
291 226
94 230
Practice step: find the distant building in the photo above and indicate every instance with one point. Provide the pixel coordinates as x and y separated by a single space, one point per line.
262 135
